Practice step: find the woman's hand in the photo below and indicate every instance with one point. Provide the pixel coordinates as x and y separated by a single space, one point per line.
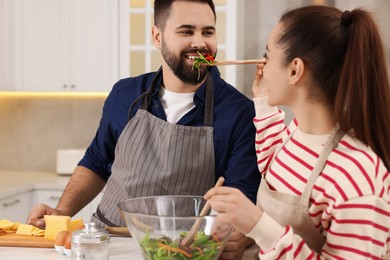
234 207
259 87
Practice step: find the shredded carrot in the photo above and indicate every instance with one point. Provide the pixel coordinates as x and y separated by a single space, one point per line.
175 249
199 250
215 237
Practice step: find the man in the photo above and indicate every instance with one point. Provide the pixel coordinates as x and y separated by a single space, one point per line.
168 132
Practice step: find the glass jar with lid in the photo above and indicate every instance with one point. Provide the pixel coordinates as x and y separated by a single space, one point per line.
90 243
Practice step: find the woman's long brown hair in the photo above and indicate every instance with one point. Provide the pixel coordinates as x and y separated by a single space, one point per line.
344 52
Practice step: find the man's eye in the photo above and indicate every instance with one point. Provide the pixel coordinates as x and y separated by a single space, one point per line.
186 32
208 33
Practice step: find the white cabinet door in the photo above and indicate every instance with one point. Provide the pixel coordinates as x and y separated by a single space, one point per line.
69 45
16 208
45 41
94 45
7 44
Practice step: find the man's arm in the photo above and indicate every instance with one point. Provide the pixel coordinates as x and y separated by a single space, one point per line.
82 188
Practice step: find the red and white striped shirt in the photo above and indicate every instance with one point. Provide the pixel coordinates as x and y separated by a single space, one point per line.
350 198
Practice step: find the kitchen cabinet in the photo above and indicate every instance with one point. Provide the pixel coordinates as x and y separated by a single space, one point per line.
51 198
68 45
7 44
16 207
72 45
21 190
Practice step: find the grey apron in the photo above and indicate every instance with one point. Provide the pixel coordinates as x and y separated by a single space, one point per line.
293 210
154 157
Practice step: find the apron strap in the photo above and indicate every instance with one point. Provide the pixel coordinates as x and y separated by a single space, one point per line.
209 101
103 219
332 141
209 98
146 95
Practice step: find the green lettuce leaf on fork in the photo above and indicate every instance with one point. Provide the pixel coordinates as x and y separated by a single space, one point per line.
198 61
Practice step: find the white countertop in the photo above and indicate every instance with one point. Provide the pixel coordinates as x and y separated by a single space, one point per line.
119 248
14 182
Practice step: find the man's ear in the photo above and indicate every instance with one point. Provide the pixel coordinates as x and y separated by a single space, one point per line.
297 69
156 37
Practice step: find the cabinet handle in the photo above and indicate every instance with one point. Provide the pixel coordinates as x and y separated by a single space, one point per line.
72 86
64 86
7 204
54 198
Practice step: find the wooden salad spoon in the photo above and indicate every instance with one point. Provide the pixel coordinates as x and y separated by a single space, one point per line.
190 236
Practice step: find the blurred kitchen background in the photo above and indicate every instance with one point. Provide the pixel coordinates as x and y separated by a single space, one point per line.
60 58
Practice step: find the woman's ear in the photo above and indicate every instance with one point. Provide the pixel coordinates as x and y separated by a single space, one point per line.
156 37
297 69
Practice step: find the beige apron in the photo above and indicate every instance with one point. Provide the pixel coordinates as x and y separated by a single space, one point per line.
293 210
154 157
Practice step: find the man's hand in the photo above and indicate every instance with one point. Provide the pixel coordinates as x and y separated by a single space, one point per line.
236 246
81 189
36 215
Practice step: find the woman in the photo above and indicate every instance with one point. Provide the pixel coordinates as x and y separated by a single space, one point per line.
325 188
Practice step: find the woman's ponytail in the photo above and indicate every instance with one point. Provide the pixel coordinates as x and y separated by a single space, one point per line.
362 102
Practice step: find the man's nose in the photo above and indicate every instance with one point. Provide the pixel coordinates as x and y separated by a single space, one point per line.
198 42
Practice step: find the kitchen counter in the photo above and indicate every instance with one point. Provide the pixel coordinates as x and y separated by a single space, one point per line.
14 182
119 248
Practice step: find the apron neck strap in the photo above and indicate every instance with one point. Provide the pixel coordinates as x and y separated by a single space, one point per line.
209 98
332 141
209 101
146 95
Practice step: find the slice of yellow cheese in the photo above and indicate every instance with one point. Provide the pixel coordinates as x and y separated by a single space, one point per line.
15 226
55 224
25 229
77 224
38 232
5 224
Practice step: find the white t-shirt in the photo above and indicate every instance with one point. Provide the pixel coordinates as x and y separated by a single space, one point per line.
176 105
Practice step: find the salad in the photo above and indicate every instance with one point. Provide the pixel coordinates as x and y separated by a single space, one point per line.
203 247
208 59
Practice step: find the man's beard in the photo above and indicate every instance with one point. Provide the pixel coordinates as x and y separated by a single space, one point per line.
180 66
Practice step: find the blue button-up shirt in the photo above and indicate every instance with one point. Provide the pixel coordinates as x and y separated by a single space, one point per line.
234 132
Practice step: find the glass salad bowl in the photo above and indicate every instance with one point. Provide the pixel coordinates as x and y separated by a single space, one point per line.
160 225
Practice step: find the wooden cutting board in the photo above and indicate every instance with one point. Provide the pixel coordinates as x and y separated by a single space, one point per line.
12 239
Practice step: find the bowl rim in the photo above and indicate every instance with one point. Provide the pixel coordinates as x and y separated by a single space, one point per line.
213 215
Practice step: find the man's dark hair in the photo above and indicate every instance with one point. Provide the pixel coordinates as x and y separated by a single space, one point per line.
162 9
